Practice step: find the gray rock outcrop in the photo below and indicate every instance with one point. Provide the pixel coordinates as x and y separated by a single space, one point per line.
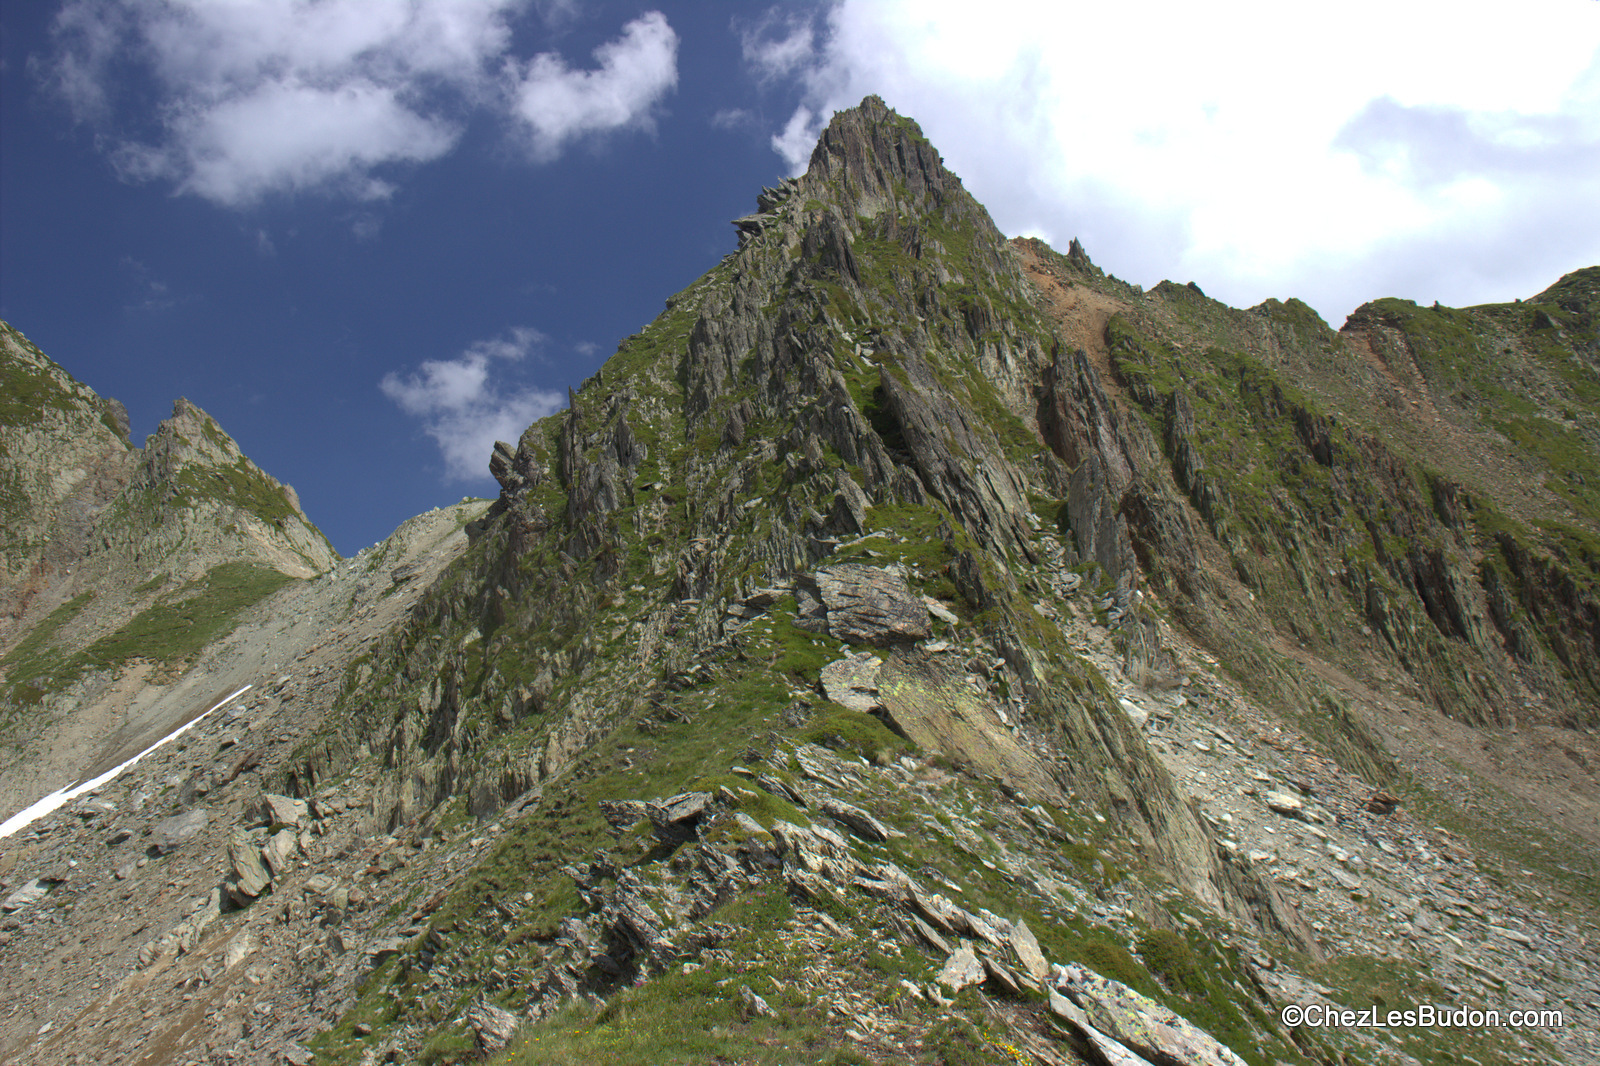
1139 1023
868 605
173 832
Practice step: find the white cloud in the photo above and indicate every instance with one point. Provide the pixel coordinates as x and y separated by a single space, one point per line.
775 47
464 406
265 96
90 38
557 105
799 136
733 118
292 137
1258 149
260 97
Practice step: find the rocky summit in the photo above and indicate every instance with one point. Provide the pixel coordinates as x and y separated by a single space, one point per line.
914 646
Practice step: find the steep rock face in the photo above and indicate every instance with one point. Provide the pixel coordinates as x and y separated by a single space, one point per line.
1375 493
870 360
63 455
191 483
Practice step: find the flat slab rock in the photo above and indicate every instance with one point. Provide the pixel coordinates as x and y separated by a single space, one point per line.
1286 804
961 969
853 681
1026 948
1108 1049
684 807
860 822
172 832
866 605
29 893
1138 1023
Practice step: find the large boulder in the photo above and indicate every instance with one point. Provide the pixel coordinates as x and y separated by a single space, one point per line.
961 969
866 605
170 833
677 818
284 810
930 700
279 851
31 892
853 681
250 875
492 1025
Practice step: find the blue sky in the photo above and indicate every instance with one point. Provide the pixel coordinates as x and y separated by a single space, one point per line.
369 236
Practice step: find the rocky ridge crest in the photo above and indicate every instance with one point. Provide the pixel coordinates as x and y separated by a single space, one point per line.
912 646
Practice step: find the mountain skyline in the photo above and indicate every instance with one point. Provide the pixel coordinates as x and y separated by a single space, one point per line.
1210 659
382 245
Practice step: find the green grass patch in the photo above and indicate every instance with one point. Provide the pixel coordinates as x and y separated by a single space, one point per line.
29 667
854 731
239 484
181 624
26 390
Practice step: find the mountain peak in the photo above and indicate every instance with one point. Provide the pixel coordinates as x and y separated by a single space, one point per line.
191 458
870 158
190 435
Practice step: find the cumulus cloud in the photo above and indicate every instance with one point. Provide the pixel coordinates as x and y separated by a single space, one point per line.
1257 149
556 104
291 137
257 97
260 96
465 404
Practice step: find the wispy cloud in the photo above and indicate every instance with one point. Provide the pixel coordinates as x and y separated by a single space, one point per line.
556 105
147 293
776 46
259 97
465 404
734 118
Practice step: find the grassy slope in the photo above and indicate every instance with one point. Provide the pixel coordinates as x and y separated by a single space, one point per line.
177 626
